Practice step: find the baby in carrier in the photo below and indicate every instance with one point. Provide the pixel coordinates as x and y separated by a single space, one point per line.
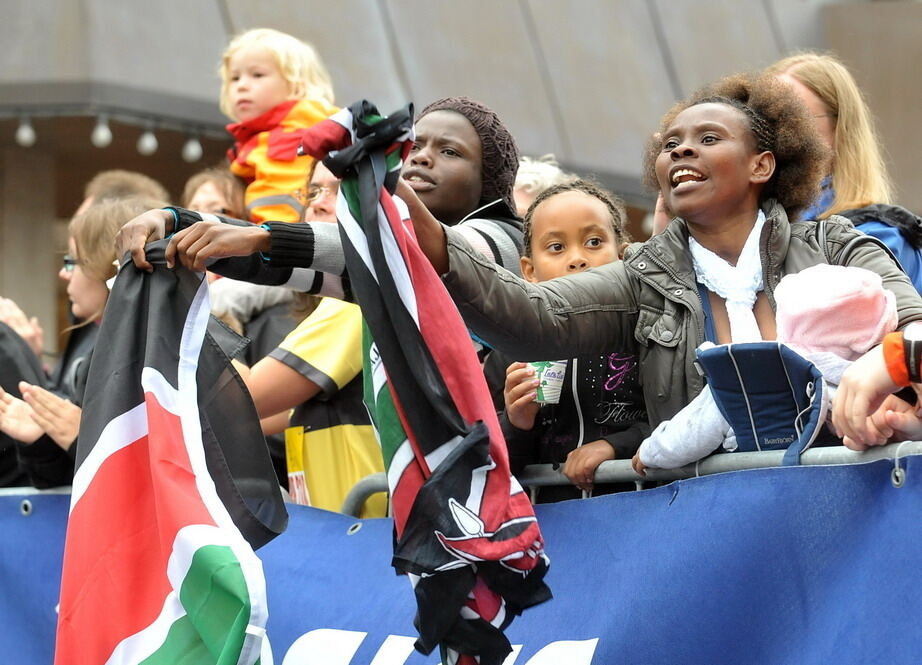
777 394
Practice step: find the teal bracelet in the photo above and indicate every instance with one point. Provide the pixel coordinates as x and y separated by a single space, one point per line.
269 229
175 214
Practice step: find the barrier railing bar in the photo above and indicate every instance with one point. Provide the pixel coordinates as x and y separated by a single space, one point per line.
620 471
362 491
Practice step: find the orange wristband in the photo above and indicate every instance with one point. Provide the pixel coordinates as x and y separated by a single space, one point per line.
895 358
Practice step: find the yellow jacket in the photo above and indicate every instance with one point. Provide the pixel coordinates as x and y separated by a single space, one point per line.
265 154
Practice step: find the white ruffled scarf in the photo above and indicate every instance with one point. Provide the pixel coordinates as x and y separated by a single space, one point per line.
738 285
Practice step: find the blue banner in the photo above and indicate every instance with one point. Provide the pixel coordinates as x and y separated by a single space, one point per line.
806 565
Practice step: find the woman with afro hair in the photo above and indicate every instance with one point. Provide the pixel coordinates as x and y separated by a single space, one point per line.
735 163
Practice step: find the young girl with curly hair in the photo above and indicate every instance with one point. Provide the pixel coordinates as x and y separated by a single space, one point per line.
733 163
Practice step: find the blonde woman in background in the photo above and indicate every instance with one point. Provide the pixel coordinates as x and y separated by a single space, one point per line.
857 185
45 423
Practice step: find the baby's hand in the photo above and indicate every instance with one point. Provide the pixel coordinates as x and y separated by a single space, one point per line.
639 468
519 396
582 463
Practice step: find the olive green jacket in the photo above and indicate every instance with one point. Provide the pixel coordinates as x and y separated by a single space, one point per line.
647 304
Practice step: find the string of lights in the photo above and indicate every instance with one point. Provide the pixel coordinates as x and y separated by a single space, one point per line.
102 134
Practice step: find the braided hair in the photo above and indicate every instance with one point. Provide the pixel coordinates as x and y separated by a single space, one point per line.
614 204
764 133
779 123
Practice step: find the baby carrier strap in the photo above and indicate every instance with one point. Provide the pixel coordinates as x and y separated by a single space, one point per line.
773 397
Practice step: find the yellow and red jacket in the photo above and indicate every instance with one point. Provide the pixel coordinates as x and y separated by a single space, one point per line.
265 154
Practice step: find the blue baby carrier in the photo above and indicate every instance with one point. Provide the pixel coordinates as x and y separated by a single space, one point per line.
773 397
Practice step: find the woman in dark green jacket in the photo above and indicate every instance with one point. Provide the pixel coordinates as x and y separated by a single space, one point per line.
732 163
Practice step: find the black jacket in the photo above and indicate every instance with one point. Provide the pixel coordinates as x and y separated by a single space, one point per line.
601 399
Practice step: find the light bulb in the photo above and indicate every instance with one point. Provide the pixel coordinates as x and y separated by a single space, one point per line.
147 143
101 136
192 150
25 134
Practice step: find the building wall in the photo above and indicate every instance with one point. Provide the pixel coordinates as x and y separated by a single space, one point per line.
882 45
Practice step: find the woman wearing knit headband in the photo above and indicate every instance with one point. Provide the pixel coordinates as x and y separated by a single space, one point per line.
459 188
732 163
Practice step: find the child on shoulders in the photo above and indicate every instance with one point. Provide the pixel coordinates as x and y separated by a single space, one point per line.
273 85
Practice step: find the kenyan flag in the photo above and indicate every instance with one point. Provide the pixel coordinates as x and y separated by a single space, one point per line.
466 534
173 490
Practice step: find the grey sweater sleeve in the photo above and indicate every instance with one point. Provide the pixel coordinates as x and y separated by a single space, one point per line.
305 257
491 240
587 313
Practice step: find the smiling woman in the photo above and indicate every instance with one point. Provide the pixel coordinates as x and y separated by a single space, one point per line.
707 159
766 121
730 162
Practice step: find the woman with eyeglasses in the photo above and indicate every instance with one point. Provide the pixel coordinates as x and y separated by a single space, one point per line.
857 185
45 421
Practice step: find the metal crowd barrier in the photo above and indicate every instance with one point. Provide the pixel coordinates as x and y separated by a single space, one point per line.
620 471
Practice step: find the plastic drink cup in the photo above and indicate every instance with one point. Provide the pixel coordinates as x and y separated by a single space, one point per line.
550 375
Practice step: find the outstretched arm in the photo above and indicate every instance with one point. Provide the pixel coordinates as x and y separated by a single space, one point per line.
587 313
306 257
430 234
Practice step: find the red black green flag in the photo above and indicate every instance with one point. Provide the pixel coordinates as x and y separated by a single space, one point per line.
172 492
465 531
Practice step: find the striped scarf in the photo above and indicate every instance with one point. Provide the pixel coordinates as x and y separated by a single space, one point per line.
466 534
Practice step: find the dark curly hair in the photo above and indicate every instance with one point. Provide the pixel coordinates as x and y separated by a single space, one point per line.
780 124
614 204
